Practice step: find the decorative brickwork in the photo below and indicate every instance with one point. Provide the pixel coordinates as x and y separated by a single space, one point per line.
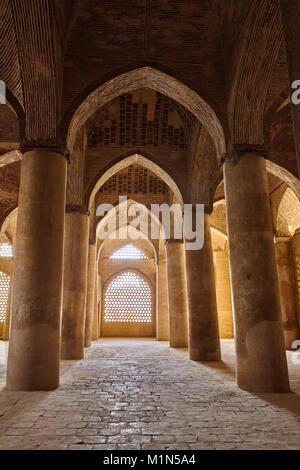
133 180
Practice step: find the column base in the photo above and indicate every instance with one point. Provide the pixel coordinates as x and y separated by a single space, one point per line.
200 356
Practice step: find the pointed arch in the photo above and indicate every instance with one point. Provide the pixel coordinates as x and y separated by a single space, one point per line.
158 81
146 163
119 207
291 180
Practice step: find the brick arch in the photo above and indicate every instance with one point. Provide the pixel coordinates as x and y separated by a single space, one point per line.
140 160
288 214
281 173
105 219
150 246
9 217
253 71
158 81
291 180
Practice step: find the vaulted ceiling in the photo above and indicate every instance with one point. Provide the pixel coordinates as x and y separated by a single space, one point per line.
54 53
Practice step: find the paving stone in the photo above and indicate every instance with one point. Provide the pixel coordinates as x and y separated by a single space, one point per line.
132 394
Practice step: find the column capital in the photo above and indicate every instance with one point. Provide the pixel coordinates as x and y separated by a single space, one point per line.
236 151
76 209
281 239
41 147
207 208
174 240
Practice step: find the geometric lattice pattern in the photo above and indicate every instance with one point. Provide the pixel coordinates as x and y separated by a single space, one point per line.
6 250
128 299
4 290
128 251
133 180
144 118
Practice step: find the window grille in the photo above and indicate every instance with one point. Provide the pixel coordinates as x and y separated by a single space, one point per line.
128 251
128 298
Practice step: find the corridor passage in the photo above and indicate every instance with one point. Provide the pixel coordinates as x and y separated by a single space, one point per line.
140 394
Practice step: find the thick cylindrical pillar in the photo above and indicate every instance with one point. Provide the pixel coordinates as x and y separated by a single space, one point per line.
75 285
162 302
96 311
178 326
6 326
287 291
260 355
90 296
204 342
223 291
100 304
296 265
34 349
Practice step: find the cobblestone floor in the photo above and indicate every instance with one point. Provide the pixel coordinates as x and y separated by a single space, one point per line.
140 394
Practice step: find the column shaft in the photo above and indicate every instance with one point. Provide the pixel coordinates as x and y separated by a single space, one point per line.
96 311
223 291
162 303
261 360
287 291
176 275
90 295
6 326
34 349
296 266
204 342
100 304
75 284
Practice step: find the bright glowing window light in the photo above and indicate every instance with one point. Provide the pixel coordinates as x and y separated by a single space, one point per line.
128 251
6 250
128 299
4 291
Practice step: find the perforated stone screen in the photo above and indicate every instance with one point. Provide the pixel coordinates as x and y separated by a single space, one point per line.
128 299
128 252
6 250
4 291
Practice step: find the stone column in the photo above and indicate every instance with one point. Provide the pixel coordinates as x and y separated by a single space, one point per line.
290 13
204 342
100 305
260 355
223 291
162 302
90 295
96 311
287 290
6 326
296 265
75 283
34 348
177 301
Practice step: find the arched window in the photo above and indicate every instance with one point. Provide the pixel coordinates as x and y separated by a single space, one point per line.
6 250
4 292
128 299
128 251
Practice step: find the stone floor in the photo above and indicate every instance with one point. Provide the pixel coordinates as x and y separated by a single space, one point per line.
140 394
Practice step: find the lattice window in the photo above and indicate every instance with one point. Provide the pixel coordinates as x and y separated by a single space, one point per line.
4 291
6 250
128 251
128 299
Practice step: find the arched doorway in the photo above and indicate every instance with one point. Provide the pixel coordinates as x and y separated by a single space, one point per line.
128 306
